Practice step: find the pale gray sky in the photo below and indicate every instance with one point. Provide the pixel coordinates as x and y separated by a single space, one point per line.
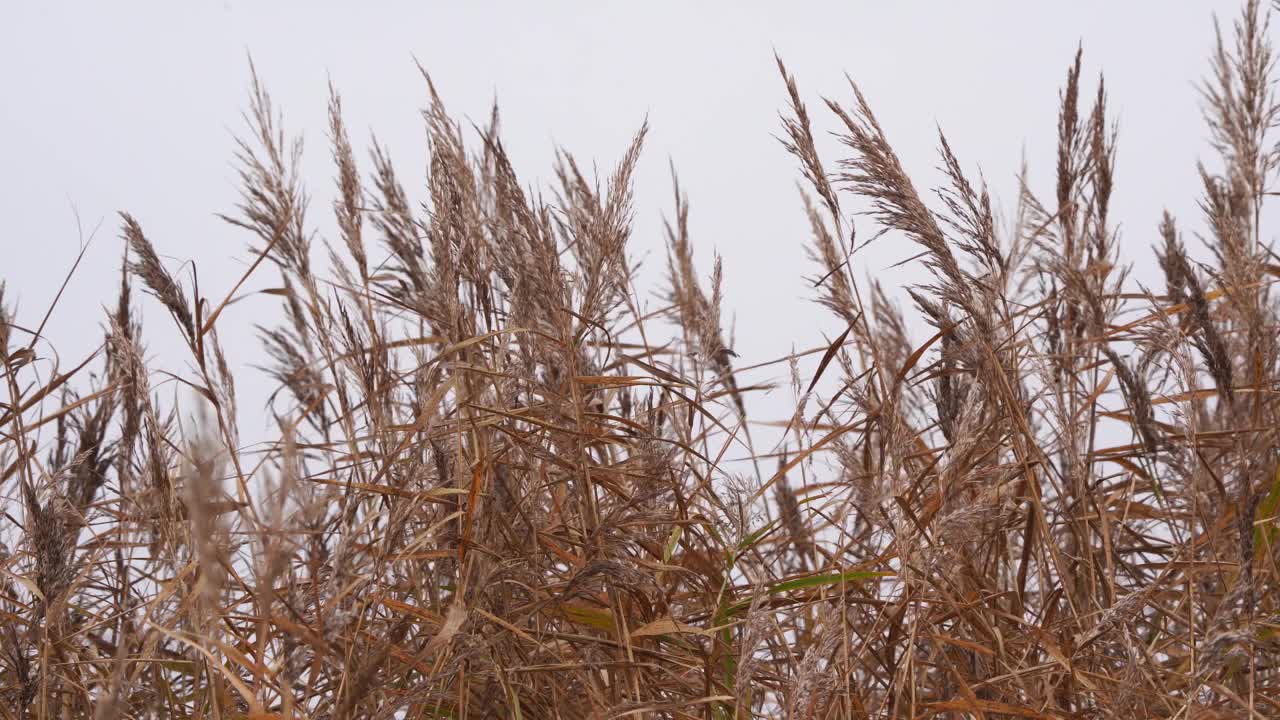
132 105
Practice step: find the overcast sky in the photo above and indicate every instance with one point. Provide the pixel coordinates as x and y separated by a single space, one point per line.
130 105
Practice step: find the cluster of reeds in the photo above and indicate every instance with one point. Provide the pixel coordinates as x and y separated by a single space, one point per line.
501 487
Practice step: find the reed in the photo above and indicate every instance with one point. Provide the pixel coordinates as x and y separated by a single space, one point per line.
502 487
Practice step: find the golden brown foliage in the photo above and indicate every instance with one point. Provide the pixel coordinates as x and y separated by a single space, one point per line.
502 488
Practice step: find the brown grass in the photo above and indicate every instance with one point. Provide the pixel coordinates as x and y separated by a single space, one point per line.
502 488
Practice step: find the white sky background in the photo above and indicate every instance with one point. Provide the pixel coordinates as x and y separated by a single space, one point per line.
133 106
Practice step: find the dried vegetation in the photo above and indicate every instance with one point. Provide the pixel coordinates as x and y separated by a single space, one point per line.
501 487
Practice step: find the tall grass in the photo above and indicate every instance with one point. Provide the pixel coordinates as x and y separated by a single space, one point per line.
501 488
